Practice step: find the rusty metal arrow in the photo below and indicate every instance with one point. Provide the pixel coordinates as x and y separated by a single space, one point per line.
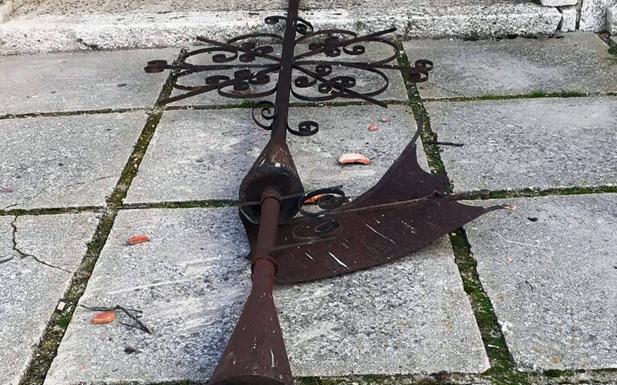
291 240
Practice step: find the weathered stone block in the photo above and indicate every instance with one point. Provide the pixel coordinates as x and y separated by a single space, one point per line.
64 161
204 154
38 256
611 17
7 7
557 3
190 283
568 20
577 62
549 268
77 25
593 15
79 81
533 143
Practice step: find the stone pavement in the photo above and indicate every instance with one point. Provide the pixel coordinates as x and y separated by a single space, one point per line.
522 297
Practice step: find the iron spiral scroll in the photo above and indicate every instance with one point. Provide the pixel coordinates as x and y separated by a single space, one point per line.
325 68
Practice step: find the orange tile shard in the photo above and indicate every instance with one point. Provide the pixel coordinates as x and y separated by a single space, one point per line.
137 239
312 200
353 158
103 317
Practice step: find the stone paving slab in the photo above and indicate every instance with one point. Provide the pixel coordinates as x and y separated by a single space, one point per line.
31 288
409 317
65 161
141 24
528 143
550 269
80 81
191 280
204 154
366 82
577 62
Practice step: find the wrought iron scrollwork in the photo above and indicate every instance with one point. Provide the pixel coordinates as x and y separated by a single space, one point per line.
264 111
305 128
274 19
328 67
303 27
319 202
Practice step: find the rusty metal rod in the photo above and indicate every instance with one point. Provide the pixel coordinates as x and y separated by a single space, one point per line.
275 167
283 88
255 353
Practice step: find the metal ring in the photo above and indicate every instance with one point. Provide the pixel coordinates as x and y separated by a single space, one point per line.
333 204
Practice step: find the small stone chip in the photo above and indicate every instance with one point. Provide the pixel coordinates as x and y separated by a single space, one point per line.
130 350
138 238
103 317
510 208
353 158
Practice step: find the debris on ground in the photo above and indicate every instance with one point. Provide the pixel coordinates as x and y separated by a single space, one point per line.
130 350
61 306
137 239
133 314
373 127
6 189
510 208
353 158
453 144
384 119
103 317
312 200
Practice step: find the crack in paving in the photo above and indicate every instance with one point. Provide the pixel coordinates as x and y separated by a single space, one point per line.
71 113
208 203
52 211
532 95
39 193
23 255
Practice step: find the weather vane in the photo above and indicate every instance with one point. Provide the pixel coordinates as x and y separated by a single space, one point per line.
298 236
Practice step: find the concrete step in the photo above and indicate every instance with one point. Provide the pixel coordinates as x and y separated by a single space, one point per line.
61 25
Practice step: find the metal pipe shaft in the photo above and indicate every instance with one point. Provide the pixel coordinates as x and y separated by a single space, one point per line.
255 353
275 166
283 88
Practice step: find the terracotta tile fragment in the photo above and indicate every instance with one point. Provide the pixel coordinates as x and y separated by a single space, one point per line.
103 317
353 158
138 238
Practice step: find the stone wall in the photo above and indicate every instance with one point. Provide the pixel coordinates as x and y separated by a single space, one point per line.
585 15
594 14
